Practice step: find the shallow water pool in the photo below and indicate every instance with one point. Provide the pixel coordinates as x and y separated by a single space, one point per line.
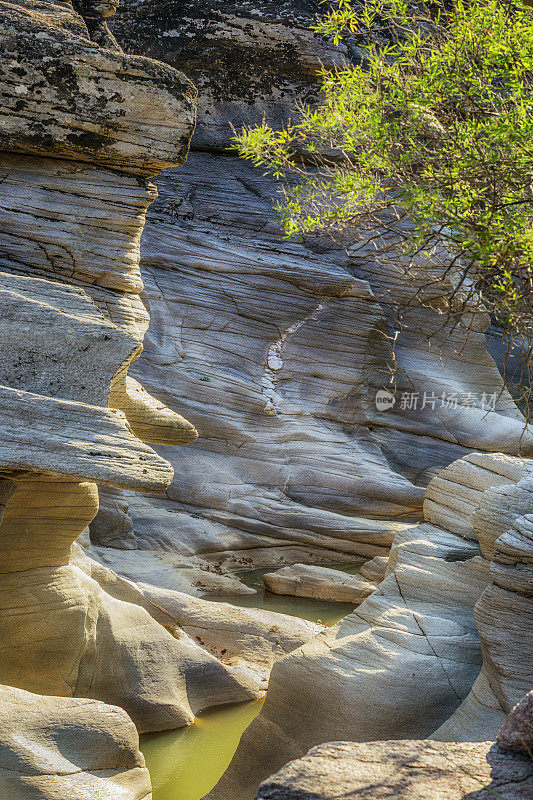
185 764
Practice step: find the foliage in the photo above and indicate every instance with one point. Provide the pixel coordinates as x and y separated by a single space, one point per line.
431 138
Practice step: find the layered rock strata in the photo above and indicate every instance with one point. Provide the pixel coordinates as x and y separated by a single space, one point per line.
504 613
294 462
415 637
81 128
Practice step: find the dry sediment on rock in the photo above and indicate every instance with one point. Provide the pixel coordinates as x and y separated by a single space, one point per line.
247 640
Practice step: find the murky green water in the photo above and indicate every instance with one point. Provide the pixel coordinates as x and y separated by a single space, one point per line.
315 610
185 764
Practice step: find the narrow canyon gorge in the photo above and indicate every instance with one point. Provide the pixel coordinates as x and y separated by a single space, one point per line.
188 397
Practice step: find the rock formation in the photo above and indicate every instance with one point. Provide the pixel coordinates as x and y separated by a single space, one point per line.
403 770
55 748
85 125
416 636
275 350
247 59
82 127
247 640
304 580
318 475
504 613
516 733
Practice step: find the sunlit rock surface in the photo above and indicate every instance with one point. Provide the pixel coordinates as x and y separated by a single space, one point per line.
58 748
64 96
247 641
405 770
272 351
407 658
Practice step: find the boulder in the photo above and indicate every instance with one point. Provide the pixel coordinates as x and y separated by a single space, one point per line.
52 748
320 583
516 732
375 569
65 96
404 770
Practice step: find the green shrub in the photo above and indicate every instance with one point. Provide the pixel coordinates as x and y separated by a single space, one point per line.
429 138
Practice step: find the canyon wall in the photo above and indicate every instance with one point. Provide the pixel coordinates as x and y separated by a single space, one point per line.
275 350
83 126
441 650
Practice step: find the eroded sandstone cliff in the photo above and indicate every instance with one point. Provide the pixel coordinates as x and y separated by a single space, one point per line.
82 128
275 350
444 643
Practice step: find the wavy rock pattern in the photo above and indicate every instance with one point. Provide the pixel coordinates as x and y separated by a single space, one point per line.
504 618
275 352
295 461
415 637
68 222
246 640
